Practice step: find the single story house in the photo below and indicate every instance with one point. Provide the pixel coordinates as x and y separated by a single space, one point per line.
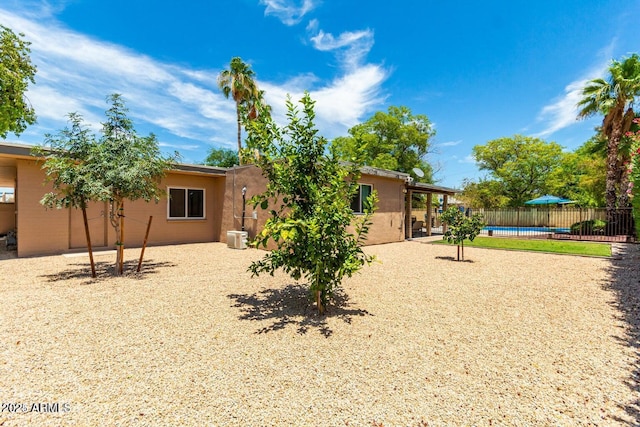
205 203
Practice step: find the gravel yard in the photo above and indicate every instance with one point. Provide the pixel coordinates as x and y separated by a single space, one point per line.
506 338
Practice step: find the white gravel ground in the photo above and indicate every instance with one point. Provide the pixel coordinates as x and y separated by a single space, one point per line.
508 338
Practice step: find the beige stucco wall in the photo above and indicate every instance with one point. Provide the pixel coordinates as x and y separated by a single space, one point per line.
39 231
7 217
42 231
387 223
173 231
241 176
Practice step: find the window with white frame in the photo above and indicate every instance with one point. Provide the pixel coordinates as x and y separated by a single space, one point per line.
186 203
359 200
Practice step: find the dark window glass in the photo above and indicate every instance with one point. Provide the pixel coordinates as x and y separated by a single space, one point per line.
355 201
196 203
176 203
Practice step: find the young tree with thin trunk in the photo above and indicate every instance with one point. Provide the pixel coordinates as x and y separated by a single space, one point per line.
128 165
120 166
310 192
66 164
461 227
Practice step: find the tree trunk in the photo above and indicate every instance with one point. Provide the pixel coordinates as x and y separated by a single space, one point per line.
613 145
89 248
458 252
239 132
319 302
462 247
121 247
116 217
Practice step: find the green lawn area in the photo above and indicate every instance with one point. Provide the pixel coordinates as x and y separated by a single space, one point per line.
541 245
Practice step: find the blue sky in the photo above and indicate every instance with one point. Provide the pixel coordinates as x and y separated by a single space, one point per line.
478 70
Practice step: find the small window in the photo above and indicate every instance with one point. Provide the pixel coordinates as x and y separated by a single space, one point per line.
7 195
186 203
359 201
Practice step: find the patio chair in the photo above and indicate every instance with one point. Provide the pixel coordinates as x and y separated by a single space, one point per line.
11 241
417 229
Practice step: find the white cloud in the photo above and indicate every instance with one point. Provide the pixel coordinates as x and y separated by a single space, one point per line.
288 11
351 46
563 112
340 104
182 106
450 143
76 73
468 159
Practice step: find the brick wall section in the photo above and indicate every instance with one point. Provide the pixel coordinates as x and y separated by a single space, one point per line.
40 231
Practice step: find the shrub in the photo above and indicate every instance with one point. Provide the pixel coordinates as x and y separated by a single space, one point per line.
589 227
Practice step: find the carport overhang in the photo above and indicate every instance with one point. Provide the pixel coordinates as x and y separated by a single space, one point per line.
9 153
428 189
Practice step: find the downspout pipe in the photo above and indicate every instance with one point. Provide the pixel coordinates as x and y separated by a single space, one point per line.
244 204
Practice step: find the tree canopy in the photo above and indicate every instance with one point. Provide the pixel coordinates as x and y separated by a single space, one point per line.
310 191
119 166
222 157
521 164
395 140
16 72
461 227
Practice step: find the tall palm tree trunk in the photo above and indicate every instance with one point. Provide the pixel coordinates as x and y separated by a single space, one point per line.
613 164
239 132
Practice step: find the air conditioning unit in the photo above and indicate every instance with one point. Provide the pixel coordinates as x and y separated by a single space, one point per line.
237 239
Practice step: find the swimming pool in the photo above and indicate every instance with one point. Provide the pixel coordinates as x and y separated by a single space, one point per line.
523 230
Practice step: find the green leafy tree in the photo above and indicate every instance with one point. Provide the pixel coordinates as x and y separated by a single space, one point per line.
461 227
311 191
16 72
396 140
129 165
614 98
238 82
222 157
521 164
634 176
66 164
120 166
581 175
483 194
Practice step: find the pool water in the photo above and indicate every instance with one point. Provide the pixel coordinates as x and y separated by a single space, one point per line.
526 229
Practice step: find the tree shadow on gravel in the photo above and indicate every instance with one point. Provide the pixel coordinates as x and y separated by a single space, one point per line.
291 306
625 283
452 258
106 270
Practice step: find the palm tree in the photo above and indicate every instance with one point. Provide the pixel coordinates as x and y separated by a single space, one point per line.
614 99
238 81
